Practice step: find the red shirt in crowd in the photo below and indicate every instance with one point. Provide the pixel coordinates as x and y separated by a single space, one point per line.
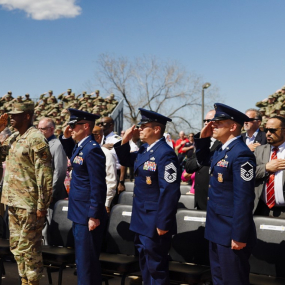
178 143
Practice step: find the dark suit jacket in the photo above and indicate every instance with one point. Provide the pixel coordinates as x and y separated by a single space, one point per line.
201 178
262 155
261 137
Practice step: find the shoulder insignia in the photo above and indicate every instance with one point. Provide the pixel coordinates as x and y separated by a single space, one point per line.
170 173
40 146
246 171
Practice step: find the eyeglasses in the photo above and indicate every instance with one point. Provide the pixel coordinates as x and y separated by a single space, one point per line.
102 124
253 119
271 130
208 121
43 129
73 125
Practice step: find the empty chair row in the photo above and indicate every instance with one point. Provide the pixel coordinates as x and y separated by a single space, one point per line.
129 187
185 201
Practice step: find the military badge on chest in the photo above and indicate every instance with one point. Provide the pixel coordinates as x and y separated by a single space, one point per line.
78 160
149 165
223 163
148 180
220 177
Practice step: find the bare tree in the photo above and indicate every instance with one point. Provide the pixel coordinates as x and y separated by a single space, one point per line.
146 82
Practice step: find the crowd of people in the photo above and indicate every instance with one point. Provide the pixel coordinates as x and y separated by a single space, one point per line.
235 166
54 107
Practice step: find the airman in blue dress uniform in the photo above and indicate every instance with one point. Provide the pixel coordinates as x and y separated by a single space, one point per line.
156 193
229 225
87 196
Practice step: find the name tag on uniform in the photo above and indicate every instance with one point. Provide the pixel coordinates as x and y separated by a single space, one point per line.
149 165
78 160
223 163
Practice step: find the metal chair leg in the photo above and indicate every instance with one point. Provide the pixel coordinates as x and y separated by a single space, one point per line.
49 276
123 279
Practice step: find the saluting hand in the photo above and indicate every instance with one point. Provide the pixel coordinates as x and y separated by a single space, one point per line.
207 131
3 121
67 132
129 134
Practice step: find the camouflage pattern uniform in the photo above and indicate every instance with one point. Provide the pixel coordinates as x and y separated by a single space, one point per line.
27 188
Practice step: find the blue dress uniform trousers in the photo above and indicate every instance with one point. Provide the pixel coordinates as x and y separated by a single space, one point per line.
156 194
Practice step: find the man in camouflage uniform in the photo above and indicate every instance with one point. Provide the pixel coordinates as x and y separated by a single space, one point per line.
27 190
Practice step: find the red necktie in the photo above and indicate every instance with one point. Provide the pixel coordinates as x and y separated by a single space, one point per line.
270 192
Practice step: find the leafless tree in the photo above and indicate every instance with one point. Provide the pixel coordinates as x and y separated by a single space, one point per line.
150 83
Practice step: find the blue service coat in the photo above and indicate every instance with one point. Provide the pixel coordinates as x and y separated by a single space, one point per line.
88 186
157 186
231 192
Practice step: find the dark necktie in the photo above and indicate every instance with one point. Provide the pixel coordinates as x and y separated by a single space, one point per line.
74 149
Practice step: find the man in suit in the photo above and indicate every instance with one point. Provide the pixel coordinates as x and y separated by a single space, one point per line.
253 137
156 193
202 176
59 160
87 196
270 174
229 224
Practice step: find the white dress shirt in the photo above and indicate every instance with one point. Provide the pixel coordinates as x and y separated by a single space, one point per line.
250 140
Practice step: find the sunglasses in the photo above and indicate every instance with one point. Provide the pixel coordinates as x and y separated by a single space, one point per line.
102 124
73 125
208 121
271 130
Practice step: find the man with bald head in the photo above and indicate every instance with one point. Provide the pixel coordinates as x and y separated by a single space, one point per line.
59 159
109 139
111 172
202 176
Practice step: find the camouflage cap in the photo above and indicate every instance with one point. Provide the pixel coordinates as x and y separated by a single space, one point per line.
97 91
283 88
275 95
84 92
50 91
270 96
69 90
27 94
10 92
19 108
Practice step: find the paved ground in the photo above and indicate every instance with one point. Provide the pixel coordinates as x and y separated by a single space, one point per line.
12 277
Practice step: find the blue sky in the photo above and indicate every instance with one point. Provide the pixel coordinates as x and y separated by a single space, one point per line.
238 46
